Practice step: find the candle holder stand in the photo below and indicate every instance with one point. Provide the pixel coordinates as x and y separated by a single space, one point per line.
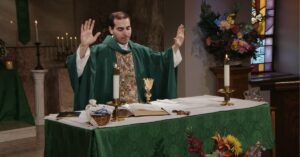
115 115
226 91
38 66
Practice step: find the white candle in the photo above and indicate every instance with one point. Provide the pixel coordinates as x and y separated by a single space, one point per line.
116 83
62 43
226 72
57 43
36 31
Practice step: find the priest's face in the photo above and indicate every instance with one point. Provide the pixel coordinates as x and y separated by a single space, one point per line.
121 31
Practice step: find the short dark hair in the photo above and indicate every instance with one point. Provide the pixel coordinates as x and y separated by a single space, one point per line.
119 15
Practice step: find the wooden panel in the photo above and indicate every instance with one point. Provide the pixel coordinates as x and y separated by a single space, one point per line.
285 97
238 79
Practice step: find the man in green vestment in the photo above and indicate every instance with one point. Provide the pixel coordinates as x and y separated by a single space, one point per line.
91 68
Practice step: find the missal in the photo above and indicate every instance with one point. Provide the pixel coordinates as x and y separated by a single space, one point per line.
68 114
138 110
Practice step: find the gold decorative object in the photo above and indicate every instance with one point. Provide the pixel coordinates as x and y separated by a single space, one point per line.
226 91
9 65
148 83
115 115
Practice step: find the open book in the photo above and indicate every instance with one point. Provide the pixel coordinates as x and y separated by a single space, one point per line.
137 110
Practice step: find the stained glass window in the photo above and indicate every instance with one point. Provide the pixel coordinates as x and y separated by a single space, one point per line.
264 60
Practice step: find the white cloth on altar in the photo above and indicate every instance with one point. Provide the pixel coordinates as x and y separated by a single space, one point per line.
196 105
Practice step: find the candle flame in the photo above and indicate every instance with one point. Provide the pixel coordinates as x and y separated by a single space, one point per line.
71 38
35 21
62 38
75 38
57 37
67 34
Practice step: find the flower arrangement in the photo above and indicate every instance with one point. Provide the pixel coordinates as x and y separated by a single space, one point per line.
227 146
224 35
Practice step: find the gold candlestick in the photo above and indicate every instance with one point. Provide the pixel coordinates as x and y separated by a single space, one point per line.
226 91
115 116
148 83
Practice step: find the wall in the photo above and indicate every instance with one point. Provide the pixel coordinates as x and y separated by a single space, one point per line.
287 29
198 78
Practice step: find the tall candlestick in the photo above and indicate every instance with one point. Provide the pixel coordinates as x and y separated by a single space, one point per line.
226 72
75 41
57 43
36 31
67 38
62 43
71 43
116 82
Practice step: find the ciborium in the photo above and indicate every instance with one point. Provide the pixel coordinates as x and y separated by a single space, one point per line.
148 83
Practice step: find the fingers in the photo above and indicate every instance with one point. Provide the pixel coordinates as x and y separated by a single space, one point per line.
97 35
92 25
180 29
88 25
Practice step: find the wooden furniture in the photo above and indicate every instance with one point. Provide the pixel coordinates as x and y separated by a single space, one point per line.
285 97
284 93
238 79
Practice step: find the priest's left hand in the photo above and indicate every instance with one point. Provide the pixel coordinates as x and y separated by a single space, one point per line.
178 40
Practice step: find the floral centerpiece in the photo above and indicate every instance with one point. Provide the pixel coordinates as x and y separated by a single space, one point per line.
224 35
227 146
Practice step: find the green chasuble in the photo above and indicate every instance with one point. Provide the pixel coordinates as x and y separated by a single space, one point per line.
97 78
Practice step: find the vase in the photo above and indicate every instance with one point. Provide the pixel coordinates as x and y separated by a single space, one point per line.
241 62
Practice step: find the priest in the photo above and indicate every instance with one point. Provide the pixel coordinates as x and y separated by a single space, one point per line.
91 68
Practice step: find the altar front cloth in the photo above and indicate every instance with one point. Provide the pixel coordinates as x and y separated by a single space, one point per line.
249 121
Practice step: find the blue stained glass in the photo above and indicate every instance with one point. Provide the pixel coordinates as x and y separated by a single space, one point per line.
260 56
270 12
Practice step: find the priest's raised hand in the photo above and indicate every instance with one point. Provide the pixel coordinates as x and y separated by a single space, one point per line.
86 36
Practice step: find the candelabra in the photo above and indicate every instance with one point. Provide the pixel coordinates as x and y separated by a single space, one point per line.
65 46
38 66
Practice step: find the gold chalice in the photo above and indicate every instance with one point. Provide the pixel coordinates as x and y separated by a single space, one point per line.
148 83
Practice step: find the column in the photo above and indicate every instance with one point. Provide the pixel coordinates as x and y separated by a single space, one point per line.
39 76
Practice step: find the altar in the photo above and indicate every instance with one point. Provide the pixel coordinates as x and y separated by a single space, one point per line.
249 121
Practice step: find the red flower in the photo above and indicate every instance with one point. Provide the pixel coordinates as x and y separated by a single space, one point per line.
235 29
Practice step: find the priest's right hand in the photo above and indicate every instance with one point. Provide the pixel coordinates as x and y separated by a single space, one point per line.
86 36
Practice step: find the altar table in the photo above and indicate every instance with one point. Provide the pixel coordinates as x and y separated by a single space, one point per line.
249 121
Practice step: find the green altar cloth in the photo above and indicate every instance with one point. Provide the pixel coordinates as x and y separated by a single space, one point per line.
166 137
13 101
